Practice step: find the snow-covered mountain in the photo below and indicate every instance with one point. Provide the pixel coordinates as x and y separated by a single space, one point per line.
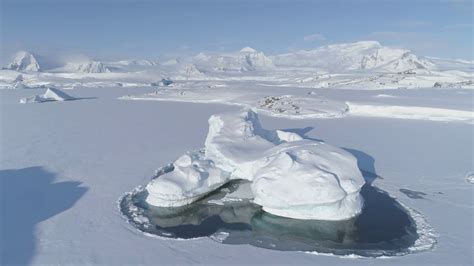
24 61
354 56
132 65
135 63
171 62
190 71
87 67
247 59
362 65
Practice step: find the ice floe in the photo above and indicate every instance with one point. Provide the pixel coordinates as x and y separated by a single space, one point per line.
290 176
411 112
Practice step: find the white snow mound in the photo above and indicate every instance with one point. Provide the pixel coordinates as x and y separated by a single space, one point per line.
290 176
50 95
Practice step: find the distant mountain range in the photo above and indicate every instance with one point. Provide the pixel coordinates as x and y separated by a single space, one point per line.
336 58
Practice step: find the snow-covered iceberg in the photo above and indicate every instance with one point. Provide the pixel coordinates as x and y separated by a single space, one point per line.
50 95
290 176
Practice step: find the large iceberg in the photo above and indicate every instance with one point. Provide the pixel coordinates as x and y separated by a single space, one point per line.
290 176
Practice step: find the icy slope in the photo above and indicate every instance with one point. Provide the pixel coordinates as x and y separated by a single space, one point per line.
291 176
24 61
51 95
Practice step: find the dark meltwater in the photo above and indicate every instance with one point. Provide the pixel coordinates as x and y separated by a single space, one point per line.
383 227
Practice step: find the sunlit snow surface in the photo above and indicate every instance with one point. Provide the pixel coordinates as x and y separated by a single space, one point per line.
109 156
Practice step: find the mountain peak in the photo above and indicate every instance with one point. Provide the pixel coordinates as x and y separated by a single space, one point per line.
248 50
24 61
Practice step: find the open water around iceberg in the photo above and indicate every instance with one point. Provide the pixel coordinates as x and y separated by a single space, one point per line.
384 228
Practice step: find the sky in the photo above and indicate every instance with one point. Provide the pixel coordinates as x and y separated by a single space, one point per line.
122 29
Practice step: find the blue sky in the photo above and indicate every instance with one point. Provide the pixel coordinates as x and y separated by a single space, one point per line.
106 29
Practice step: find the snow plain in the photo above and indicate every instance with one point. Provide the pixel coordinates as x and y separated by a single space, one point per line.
64 165
78 158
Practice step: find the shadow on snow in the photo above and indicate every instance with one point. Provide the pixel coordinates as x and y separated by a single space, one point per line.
29 196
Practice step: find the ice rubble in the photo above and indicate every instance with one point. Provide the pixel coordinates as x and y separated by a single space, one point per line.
50 95
290 176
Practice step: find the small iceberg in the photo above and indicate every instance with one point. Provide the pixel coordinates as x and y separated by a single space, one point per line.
289 176
51 95
164 82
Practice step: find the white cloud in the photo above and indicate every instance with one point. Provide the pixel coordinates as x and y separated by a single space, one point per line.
314 38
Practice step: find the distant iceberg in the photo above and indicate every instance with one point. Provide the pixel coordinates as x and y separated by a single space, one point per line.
51 95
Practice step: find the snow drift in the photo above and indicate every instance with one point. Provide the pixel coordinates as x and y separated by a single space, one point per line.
290 176
50 95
